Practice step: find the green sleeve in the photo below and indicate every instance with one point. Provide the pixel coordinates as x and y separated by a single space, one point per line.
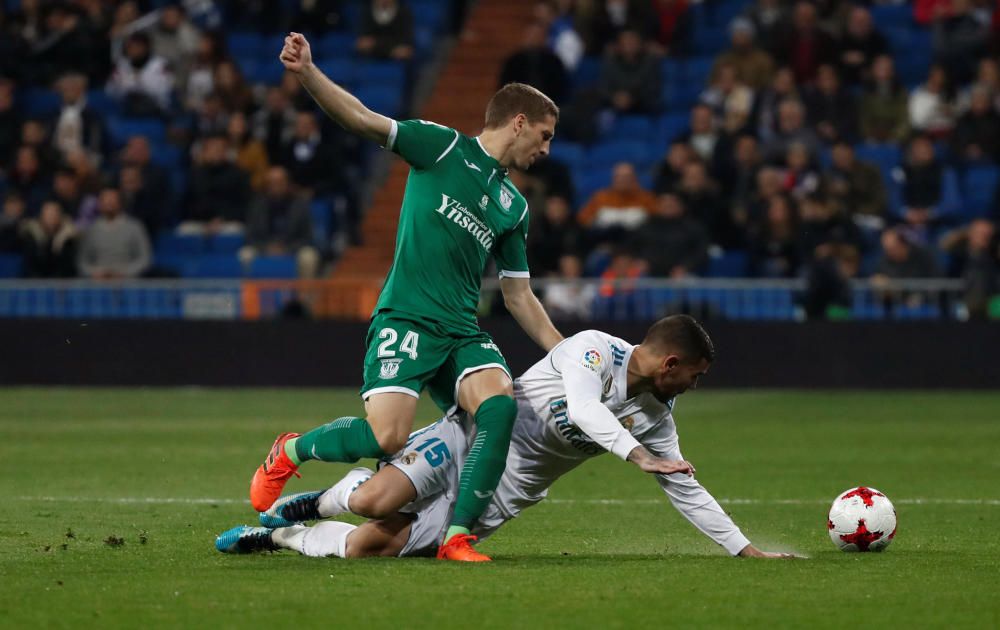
422 144
511 253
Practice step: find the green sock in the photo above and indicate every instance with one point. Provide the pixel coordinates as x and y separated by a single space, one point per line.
346 439
486 461
455 529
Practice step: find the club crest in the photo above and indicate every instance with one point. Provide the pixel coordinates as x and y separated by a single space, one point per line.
390 368
506 199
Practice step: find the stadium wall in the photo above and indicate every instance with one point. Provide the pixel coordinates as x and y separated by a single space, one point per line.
329 354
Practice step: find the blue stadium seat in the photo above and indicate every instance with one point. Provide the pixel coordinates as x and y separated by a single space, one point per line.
227 244
273 267
270 48
979 187
893 15
671 69
697 69
102 103
167 155
587 181
340 69
681 96
38 102
670 126
321 213
606 154
731 264
429 13
217 266
886 156
267 73
168 244
569 153
336 44
389 73
587 73
709 40
384 99
632 128
10 265
242 44
121 129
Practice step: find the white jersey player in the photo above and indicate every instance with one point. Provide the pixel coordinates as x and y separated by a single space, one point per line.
593 393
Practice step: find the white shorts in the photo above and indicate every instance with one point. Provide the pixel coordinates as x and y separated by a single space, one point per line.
432 460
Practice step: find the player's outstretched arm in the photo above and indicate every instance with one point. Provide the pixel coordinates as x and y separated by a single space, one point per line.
339 104
529 312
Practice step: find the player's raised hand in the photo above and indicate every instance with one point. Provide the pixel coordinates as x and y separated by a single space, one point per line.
296 53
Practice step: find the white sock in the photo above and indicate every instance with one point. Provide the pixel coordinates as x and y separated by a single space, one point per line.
333 502
322 540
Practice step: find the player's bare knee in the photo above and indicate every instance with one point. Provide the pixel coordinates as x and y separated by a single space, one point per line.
367 501
391 436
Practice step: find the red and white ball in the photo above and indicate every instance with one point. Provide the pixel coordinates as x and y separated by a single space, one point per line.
862 519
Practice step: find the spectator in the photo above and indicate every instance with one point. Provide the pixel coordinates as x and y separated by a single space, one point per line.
770 181
114 246
730 99
77 125
211 118
569 298
142 80
218 193
804 47
988 77
671 243
177 41
856 187
547 177
611 17
769 101
232 88
768 18
274 123
560 32
754 67
959 39
66 45
801 176
11 221
705 139
792 129
773 243
625 205
386 31
35 134
824 225
552 237
832 109
10 123
929 188
76 204
279 224
740 176
673 22
884 105
619 279
50 244
155 179
828 276
630 77
902 258
85 170
977 134
311 15
859 46
309 158
250 155
670 170
139 201
200 80
929 107
536 65
28 179
701 195
975 250
297 95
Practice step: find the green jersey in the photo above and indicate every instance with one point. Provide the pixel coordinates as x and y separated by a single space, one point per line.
458 209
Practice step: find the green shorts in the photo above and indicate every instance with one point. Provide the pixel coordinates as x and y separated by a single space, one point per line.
406 354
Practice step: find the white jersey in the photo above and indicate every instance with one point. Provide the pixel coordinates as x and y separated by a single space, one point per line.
548 440
572 405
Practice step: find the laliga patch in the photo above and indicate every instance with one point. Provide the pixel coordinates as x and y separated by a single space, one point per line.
390 368
592 359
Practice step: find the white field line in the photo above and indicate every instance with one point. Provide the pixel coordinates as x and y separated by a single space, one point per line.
724 501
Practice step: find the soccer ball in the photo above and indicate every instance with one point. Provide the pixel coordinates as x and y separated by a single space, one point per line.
862 519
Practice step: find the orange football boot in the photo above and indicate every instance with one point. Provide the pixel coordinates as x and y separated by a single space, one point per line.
458 549
271 476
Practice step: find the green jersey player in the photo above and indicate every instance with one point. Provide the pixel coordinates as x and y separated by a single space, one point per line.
459 209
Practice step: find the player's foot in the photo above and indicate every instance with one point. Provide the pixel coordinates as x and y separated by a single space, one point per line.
244 539
292 509
459 549
271 476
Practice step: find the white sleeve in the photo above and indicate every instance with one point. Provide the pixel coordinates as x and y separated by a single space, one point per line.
692 500
582 361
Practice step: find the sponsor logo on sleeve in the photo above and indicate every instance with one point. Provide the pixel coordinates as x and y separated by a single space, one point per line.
592 359
506 198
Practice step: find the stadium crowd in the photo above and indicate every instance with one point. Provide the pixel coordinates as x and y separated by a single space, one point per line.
769 139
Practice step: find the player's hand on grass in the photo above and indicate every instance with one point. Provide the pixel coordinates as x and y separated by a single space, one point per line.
650 463
296 54
752 552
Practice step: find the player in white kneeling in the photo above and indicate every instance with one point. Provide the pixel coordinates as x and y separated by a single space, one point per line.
591 394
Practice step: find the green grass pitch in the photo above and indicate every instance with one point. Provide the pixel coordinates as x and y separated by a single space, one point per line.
161 472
